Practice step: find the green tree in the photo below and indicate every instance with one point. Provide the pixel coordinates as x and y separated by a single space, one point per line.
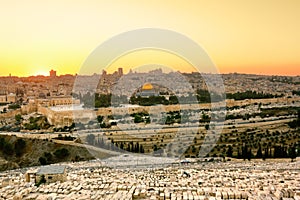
43 161
20 146
100 118
2 142
48 156
8 148
142 149
249 154
206 126
229 151
41 181
173 100
102 100
292 152
138 119
259 152
61 153
193 149
18 117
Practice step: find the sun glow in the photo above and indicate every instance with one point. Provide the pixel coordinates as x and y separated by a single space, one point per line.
41 73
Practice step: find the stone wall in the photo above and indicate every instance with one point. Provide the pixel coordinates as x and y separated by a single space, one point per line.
10 114
232 102
52 178
66 118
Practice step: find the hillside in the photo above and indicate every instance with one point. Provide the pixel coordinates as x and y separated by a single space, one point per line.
23 152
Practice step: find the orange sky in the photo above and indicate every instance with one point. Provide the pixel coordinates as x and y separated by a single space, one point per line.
239 36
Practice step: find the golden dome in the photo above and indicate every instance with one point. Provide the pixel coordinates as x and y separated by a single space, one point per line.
147 86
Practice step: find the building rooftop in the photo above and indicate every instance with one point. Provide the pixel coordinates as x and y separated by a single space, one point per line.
52 169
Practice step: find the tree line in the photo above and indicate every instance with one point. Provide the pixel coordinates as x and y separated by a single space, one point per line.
251 95
120 146
16 148
59 154
200 96
278 151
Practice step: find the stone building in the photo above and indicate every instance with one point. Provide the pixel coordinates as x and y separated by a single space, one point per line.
30 175
54 101
147 90
10 98
52 173
3 99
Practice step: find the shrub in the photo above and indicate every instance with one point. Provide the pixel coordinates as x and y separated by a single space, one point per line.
8 149
48 156
42 180
18 117
43 161
62 153
20 147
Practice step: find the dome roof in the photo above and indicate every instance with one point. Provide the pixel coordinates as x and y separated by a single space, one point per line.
147 86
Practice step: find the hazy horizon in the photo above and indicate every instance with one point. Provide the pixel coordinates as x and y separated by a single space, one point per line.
126 72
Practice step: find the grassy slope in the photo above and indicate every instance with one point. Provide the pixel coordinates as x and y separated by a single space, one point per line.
35 148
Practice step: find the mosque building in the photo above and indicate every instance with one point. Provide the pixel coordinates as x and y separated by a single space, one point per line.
147 90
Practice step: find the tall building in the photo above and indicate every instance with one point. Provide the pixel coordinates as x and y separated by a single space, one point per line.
120 71
52 73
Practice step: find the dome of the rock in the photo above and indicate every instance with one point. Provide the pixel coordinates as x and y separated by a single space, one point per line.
147 86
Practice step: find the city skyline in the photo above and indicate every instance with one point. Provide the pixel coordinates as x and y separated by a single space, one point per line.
244 37
48 73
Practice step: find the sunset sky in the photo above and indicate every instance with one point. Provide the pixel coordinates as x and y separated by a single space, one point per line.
261 37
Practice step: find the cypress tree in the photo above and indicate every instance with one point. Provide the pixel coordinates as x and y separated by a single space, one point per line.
259 152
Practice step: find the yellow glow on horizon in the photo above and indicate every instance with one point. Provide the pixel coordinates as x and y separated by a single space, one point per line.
41 72
239 36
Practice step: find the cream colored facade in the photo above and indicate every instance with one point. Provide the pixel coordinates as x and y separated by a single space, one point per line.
10 98
66 118
3 99
63 101
58 101
52 178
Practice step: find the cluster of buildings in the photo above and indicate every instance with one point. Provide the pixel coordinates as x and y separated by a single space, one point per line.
107 80
183 83
272 84
154 81
206 181
36 89
42 93
50 90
